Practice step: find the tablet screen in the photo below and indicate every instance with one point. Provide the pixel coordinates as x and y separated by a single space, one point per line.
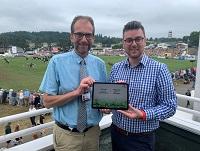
110 96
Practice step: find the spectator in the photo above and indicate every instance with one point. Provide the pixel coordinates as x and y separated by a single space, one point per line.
26 97
18 140
188 93
14 98
1 95
10 96
42 119
34 136
4 97
37 101
31 98
8 130
32 108
21 98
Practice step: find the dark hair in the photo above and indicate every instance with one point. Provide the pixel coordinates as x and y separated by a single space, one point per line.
133 25
85 18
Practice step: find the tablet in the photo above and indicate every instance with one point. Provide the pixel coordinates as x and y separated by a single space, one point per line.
110 96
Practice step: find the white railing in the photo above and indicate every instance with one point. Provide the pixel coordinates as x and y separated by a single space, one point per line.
106 122
184 98
197 113
25 132
24 115
192 99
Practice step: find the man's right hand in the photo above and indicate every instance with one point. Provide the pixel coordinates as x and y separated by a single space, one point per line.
85 84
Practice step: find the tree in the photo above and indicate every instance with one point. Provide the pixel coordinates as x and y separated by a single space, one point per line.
194 39
117 46
186 39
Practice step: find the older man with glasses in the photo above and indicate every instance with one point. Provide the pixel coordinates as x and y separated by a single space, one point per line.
66 85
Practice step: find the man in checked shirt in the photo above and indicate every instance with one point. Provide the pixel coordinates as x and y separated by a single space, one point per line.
151 94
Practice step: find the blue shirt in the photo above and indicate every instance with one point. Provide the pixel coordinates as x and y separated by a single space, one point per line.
63 76
150 89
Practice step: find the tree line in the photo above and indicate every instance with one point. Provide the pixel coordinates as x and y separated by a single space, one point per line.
23 39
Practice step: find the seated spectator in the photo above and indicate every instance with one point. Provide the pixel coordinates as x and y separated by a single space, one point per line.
34 136
8 130
18 140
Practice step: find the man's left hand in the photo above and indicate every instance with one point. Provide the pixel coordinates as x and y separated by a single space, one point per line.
132 113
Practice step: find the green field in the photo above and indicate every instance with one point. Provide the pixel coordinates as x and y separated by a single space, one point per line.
18 75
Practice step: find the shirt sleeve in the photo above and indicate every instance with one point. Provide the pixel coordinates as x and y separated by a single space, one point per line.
111 77
50 82
166 99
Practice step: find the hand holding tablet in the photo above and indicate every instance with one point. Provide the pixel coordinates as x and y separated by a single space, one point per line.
110 96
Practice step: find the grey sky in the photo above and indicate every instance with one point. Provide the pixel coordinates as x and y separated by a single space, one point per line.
157 16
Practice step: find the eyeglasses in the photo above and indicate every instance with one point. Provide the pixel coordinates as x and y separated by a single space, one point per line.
80 35
137 40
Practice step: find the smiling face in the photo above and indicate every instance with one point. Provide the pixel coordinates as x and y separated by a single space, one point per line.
82 37
134 42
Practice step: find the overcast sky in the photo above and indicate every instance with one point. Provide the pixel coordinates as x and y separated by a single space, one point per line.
157 16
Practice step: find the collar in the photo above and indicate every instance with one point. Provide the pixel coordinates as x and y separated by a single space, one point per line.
142 62
78 58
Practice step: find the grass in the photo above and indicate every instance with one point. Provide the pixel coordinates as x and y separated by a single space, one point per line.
175 65
17 74
109 60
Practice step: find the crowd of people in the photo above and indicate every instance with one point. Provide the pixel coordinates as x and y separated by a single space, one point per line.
26 98
188 75
21 97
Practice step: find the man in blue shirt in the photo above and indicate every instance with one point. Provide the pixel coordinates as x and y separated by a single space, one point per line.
151 94
62 87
